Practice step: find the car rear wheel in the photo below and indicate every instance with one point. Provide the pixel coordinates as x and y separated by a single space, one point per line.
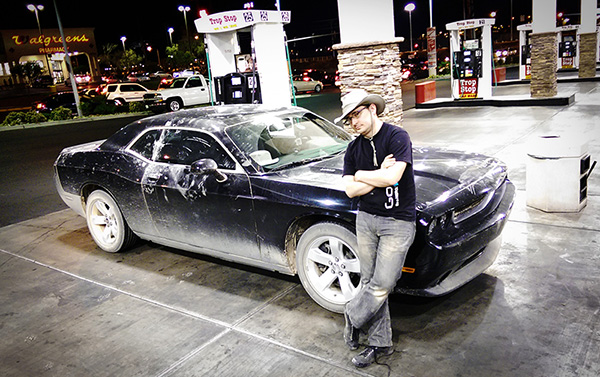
106 223
174 105
328 265
318 88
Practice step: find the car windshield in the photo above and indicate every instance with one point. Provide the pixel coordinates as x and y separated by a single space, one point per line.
279 141
177 83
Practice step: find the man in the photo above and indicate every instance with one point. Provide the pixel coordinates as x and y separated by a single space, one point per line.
378 169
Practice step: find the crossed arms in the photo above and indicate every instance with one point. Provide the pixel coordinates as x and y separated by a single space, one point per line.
363 181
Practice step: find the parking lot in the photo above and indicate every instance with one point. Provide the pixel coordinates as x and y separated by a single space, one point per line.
69 309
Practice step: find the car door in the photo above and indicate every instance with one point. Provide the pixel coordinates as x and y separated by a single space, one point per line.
196 209
195 91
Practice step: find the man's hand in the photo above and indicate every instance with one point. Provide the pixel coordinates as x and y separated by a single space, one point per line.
355 188
388 161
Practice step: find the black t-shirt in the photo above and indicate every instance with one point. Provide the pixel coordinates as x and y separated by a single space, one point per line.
397 201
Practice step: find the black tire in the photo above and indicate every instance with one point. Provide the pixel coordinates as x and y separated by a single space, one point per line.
106 223
174 104
328 265
120 102
318 88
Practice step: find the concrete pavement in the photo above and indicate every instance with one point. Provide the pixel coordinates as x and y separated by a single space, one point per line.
69 309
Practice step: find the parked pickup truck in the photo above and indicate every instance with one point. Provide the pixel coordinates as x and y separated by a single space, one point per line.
182 92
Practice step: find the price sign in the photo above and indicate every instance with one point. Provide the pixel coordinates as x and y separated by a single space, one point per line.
467 88
431 48
567 62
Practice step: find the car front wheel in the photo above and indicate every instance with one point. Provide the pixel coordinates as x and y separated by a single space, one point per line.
328 265
106 223
174 105
318 88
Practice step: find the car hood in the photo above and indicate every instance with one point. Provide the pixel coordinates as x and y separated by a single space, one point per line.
443 178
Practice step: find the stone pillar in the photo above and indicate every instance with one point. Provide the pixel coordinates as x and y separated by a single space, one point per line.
544 52
376 68
588 39
587 54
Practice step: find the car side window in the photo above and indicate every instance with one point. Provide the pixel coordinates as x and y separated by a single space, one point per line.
181 147
194 82
131 88
146 143
111 88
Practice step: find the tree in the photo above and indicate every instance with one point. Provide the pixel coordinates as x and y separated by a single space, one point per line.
110 56
178 58
130 59
29 71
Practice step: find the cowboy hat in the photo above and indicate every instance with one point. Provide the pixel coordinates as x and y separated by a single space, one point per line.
357 97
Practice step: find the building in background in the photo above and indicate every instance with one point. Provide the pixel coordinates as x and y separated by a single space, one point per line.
20 46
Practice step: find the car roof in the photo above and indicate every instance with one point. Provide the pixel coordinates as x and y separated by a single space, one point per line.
211 119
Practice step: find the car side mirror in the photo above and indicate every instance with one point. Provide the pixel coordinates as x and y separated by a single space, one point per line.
207 166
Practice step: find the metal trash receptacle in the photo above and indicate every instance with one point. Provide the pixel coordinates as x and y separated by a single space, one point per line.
557 173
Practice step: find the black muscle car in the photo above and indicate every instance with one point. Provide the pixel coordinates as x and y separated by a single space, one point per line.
263 186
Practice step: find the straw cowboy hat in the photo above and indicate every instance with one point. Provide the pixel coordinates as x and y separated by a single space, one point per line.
357 97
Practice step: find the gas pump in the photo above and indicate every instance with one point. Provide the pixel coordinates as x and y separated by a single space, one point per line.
568 47
525 51
247 56
471 58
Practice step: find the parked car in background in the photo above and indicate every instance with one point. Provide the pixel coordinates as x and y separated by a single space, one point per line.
263 186
80 79
137 77
43 81
306 84
111 79
122 93
64 99
161 75
181 92
89 93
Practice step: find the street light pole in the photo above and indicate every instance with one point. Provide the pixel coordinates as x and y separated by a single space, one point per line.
185 9
409 8
68 59
34 9
171 30
123 39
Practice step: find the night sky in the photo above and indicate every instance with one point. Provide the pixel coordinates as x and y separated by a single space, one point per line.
144 21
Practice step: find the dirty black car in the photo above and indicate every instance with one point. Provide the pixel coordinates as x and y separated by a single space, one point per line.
263 187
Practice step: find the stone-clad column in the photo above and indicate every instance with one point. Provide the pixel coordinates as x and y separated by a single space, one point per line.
544 49
544 52
376 68
587 54
588 39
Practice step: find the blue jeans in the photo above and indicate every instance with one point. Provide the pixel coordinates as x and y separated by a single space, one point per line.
382 246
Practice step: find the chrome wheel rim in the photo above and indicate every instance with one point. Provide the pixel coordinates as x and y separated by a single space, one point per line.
104 223
333 269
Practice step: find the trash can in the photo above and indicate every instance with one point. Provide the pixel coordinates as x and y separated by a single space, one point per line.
557 173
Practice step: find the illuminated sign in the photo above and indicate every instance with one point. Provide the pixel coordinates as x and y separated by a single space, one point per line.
18 43
468 88
234 20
